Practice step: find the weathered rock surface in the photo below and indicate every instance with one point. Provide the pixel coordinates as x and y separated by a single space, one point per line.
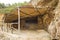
54 28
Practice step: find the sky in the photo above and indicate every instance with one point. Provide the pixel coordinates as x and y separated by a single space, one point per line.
12 1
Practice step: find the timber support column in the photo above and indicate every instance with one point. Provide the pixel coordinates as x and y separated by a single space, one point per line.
18 19
22 24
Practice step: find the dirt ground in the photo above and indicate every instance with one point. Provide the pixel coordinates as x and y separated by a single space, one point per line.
26 35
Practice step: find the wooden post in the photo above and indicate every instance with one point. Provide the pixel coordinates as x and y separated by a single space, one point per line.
18 19
11 27
7 27
2 27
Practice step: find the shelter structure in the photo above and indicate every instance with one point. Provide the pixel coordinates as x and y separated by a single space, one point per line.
37 14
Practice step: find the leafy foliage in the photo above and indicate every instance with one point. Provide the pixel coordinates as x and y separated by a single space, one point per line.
2 5
7 9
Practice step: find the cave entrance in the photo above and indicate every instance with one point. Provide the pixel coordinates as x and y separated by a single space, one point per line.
31 23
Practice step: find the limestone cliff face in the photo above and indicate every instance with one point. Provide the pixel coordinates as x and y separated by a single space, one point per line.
57 15
54 27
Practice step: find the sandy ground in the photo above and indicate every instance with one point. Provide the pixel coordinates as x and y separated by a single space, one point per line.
26 35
